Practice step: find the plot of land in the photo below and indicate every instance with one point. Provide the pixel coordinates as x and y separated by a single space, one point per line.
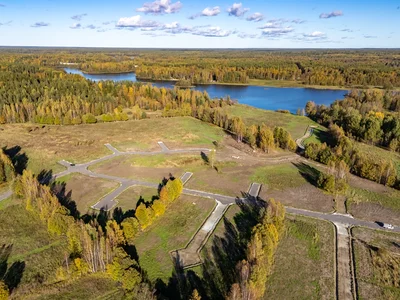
292 184
371 201
170 232
304 261
377 260
130 197
150 168
296 125
83 190
45 145
34 254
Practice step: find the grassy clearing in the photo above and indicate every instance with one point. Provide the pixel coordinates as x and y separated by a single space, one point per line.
377 263
320 135
85 191
129 198
389 199
45 145
377 154
304 262
95 286
278 177
31 244
296 125
169 232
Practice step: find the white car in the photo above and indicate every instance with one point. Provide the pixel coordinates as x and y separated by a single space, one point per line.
388 226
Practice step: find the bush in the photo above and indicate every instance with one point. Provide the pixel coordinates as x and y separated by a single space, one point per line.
89 119
326 182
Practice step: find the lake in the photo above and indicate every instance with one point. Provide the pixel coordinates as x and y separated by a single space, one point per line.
271 98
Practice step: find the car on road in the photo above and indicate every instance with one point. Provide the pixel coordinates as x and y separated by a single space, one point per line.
388 226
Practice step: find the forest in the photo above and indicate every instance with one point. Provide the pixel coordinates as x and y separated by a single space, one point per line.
369 116
345 68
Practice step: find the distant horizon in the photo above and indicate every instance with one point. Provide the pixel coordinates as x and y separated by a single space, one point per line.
194 24
195 48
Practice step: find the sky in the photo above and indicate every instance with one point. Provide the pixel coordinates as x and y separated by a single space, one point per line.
201 24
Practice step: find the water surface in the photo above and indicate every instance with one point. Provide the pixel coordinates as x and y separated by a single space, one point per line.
271 98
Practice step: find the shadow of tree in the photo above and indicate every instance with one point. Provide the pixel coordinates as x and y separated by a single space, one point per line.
18 159
65 198
205 158
309 173
10 275
45 177
218 271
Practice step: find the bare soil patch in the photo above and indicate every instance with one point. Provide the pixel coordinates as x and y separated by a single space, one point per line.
86 191
377 256
375 212
305 196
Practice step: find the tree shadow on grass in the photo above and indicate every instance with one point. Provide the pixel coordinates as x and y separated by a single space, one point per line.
10 275
218 271
18 159
65 198
309 173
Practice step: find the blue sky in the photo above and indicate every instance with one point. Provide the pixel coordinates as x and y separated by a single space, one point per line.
201 24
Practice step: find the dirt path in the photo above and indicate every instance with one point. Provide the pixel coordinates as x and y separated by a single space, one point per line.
189 256
300 141
344 277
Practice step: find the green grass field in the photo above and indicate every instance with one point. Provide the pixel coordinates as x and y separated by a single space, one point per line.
304 261
390 199
377 154
296 125
129 198
377 263
170 232
278 177
31 245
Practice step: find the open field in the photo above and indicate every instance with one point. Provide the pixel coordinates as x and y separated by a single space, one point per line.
45 145
293 185
304 261
170 232
83 190
96 286
377 263
377 154
33 254
296 125
306 248
129 198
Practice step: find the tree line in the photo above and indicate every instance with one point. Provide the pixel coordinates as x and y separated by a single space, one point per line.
253 272
382 171
92 247
315 67
371 116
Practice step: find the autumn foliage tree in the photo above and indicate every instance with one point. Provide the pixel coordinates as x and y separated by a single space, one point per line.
253 272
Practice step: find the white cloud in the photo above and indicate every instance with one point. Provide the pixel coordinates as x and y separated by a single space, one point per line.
256 17
40 24
276 32
210 12
135 22
315 34
171 25
212 31
160 7
271 24
76 26
244 35
336 13
237 10
78 17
